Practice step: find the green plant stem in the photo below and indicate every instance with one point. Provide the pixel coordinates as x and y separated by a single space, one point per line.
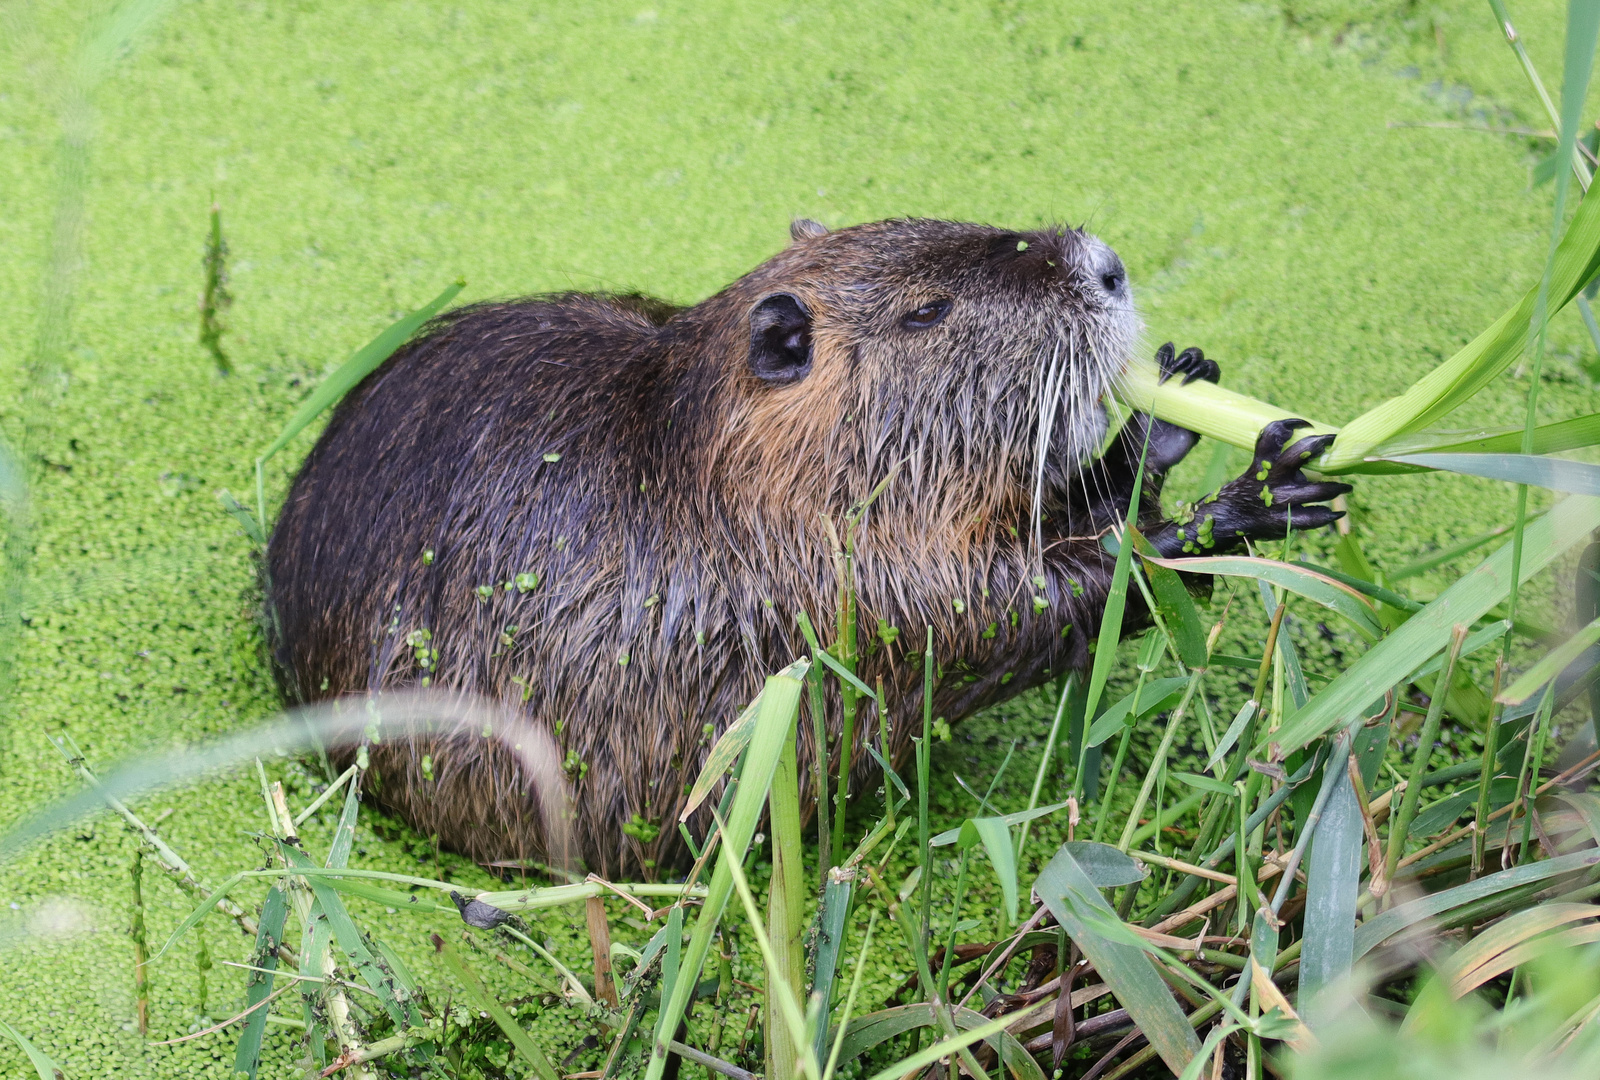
1249 899
1491 745
1104 816
1049 752
924 767
1167 737
1530 768
1580 167
847 693
141 947
955 920
819 740
1401 823
785 905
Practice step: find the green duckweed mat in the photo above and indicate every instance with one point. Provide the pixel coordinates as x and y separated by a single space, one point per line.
1294 187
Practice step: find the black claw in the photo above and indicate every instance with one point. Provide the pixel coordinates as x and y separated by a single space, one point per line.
1191 364
1313 517
1273 438
1309 447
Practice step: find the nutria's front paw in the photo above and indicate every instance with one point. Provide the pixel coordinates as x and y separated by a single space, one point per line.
1191 363
1272 497
1169 443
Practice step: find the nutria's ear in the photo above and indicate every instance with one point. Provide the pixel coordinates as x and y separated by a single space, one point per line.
780 339
806 229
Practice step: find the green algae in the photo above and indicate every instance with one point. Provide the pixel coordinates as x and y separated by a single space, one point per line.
1240 157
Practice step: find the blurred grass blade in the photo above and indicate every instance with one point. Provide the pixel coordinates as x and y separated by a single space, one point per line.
1393 659
1065 888
1550 665
258 984
1381 928
1316 587
480 998
1333 883
358 367
1557 474
46 1068
1155 696
773 726
1478 961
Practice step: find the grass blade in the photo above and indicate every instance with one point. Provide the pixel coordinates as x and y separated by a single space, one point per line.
995 836
1111 619
1574 434
352 371
1479 960
950 836
943 1048
1557 474
1333 883
1065 888
785 904
258 984
1155 696
774 726
46 1068
1316 587
1483 359
358 367
1178 612
831 914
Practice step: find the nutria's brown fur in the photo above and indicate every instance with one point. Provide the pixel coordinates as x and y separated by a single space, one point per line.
666 474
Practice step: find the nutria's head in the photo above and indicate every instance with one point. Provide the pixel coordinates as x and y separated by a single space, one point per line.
976 356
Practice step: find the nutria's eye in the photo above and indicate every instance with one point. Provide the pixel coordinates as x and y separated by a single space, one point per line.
780 339
927 315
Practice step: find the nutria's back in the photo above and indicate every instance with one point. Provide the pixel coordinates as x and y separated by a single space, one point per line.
606 511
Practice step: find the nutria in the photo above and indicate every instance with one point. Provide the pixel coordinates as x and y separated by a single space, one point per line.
607 510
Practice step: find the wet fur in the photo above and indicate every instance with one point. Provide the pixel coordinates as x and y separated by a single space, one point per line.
683 525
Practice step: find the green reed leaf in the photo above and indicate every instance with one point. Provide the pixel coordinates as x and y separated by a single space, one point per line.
1317 587
774 725
1415 642
1066 889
